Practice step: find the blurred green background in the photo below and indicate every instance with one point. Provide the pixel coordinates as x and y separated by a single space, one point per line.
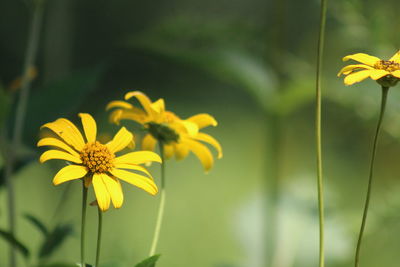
251 64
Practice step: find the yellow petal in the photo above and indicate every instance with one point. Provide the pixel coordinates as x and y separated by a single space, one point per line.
356 77
115 190
143 99
68 173
67 131
57 154
168 151
377 74
49 141
118 104
201 152
181 151
138 157
115 116
137 180
203 120
209 139
133 167
396 57
158 106
101 192
191 127
89 126
149 142
363 58
396 74
346 70
120 140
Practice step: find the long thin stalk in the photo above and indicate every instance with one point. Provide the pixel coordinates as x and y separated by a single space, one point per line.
318 134
371 172
99 229
83 222
160 214
30 57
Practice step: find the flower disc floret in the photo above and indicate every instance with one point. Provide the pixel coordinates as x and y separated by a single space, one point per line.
387 65
97 157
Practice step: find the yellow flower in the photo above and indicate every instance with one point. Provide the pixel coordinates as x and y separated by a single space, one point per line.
178 136
96 163
385 72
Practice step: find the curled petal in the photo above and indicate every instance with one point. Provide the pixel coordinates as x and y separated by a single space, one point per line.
143 99
120 140
363 58
57 154
203 120
89 126
211 140
101 192
201 152
137 180
119 104
68 173
348 69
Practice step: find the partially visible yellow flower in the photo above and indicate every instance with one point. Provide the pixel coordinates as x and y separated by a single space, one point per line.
178 136
385 72
96 163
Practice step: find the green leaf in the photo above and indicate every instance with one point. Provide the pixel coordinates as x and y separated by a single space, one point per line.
12 240
54 240
39 225
149 262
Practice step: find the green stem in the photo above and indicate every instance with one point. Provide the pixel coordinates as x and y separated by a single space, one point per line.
160 214
83 222
318 134
100 215
30 57
371 171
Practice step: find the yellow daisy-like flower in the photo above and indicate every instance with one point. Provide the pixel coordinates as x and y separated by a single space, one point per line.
178 136
385 72
96 163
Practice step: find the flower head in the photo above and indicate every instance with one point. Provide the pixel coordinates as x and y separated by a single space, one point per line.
177 136
97 163
385 72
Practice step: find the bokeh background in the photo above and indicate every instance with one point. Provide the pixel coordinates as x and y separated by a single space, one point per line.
251 64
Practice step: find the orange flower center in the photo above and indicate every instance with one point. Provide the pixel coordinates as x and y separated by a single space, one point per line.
388 65
97 157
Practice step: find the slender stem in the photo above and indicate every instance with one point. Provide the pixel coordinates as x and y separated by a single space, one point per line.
99 237
318 134
30 56
371 172
160 214
83 222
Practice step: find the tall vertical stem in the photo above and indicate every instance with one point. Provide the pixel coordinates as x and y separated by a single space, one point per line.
83 222
30 57
318 131
160 214
99 229
371 172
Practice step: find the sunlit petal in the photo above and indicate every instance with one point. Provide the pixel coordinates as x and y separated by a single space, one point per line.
89 126
377 74
69 173
137 180
396 57
201 152
49 141
356 77
67 131
143 99
133 167
115 190
138 157
57 154
101 192
120 140
363 58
